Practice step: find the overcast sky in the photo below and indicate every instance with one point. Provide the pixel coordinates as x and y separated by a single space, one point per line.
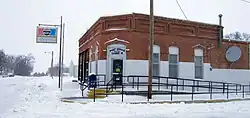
19 19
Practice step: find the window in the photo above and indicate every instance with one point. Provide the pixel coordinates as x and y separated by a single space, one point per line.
80 67
96 52
173 65
198 64
173 60
198 67
156 60
156 64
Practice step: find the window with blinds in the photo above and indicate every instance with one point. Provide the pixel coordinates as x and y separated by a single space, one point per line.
156 64
173 65
198 63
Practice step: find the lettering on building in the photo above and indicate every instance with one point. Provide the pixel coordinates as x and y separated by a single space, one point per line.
117 51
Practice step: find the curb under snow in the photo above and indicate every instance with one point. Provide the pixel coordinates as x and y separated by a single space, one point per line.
162 102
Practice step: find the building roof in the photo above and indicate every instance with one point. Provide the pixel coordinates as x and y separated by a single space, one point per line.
147 16
161 17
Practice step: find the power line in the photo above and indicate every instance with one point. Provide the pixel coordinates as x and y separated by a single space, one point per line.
245 1
181 10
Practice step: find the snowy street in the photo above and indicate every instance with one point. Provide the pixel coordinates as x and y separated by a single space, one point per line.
29 97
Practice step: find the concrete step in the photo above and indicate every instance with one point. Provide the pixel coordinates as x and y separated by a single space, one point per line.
96 93
98 90
96 96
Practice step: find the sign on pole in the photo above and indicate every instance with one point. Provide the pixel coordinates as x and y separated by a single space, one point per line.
46 34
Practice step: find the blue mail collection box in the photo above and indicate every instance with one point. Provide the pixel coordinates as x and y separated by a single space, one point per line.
91 81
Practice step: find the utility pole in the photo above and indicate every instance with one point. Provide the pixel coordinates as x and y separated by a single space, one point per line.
60 54
150 55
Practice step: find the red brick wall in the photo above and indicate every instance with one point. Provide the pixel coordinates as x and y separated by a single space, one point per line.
183 34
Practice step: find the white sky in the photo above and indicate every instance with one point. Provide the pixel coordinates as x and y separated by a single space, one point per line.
19 19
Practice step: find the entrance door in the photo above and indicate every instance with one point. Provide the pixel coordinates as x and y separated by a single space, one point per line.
117 71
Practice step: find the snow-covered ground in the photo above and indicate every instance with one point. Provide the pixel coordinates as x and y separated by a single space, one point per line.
30 97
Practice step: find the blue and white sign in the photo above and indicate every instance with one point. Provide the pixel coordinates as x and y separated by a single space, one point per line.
117 51
46 34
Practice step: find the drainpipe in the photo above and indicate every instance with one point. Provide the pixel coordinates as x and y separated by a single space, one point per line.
220 31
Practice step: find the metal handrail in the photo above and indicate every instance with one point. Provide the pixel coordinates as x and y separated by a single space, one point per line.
211 85
83 88
175 78
192 92
107 85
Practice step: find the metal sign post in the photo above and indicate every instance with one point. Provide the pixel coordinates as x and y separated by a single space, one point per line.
62 55
52 59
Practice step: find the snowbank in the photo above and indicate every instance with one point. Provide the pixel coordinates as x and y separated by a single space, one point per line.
28 97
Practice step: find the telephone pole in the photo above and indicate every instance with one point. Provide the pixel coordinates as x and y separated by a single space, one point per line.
151 42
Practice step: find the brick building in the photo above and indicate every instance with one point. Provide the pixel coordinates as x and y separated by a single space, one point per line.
182 48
